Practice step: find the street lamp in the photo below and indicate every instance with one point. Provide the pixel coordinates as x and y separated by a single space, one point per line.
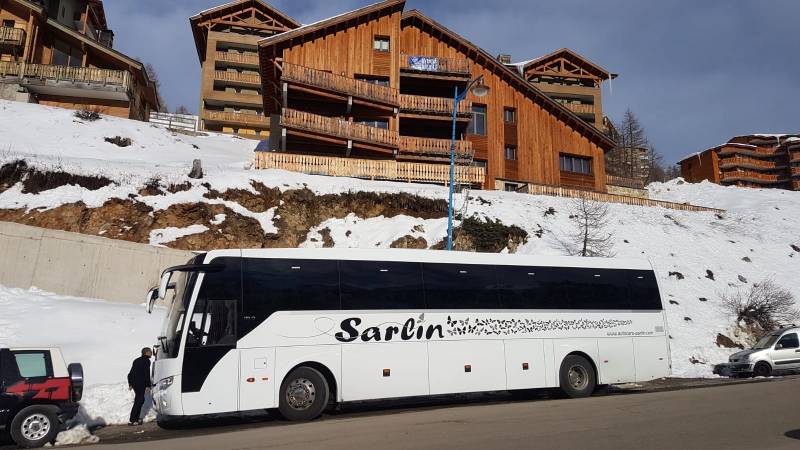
478 89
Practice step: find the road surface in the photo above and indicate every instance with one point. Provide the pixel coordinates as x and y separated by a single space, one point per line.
749 416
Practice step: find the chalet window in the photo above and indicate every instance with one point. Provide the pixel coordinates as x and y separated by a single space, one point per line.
380 81
576 164
378 123
64 55
511 187
478 123
381 44
479 163
8 24
511 153
510 115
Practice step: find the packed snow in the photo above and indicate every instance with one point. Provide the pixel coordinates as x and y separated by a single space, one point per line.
752 240
104 337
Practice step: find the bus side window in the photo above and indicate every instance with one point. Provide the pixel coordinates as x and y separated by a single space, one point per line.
213 323
460 286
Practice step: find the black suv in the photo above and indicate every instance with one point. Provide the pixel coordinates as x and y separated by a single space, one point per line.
38 394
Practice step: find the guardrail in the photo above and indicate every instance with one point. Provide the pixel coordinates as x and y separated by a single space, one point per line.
238 77
434 147
238 58
436 105
12 36
369 168
333 126
227 116
175 121
338 83
435 64
65 73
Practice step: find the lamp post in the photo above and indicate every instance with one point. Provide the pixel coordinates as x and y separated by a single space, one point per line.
479 90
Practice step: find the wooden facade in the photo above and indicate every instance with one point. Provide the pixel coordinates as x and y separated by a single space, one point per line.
61 54
763 161
227 38
379 67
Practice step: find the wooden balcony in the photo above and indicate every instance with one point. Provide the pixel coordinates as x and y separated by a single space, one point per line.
65 73
238 58
752 176
436 148
751 163
238 77
332 126
419 104
580 108
14 37
237 118
329 82
373 169
435 65
749 150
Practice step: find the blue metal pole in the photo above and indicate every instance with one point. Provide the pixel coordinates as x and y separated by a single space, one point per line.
452 174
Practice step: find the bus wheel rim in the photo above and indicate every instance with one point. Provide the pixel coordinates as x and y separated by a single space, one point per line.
35 427
578 378
301 393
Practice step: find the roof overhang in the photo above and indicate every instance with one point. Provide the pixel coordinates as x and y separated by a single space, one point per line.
200 34
513 77
579 60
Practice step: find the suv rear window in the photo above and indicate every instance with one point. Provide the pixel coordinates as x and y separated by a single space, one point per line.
33 364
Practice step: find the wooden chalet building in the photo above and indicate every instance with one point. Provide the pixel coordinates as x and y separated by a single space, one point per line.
374 88
60 53
759 160
227 38
569 79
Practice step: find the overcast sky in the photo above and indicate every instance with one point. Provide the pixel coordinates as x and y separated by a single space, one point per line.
695 72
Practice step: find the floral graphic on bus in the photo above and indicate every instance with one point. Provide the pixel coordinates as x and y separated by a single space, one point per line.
505 327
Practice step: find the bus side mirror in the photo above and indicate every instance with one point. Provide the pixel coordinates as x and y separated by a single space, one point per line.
163 286
152 296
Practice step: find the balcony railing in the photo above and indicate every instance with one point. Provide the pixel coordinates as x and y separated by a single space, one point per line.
435 105
341 128
580 108
234 117
434 64
374 169
750 150
238 58
339 84
434 147
238 77
64 73
749 175
739 161
12 36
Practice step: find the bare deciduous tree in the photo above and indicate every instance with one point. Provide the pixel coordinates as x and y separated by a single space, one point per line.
633 157
182 110
766 305
153 75
587 235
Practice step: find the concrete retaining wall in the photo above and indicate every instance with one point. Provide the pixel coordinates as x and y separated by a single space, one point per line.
81 265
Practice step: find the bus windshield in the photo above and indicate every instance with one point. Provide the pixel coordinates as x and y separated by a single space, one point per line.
173 325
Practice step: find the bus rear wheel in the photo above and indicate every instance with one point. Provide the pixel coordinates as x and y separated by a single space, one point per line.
304 394
577 378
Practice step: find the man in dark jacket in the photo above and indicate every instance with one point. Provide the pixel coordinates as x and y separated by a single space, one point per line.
139 382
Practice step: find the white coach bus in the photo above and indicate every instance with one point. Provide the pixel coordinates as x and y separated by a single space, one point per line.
299 329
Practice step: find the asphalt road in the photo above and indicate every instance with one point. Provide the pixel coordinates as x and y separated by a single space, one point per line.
749 416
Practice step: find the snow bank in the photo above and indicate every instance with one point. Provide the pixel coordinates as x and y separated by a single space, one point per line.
104 337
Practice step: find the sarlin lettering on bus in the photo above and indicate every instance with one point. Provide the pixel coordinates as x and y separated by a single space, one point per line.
409 331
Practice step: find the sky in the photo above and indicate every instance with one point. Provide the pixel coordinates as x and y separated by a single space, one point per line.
695 73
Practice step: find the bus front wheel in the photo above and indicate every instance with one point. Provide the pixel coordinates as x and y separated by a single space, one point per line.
577 378
304 394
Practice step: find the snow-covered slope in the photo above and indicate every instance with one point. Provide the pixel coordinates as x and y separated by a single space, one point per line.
751 241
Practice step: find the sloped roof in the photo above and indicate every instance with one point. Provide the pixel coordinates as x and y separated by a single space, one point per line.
569 54
515 78
232 6
331 21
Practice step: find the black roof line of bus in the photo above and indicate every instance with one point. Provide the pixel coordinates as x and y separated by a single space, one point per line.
196 268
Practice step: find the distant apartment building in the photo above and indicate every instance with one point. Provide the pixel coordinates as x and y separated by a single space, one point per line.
227 38
758 160
568 78
60 53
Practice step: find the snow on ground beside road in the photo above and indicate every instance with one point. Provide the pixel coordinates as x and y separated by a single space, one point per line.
104 337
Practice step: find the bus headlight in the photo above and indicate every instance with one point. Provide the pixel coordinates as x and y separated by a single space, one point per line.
165 383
